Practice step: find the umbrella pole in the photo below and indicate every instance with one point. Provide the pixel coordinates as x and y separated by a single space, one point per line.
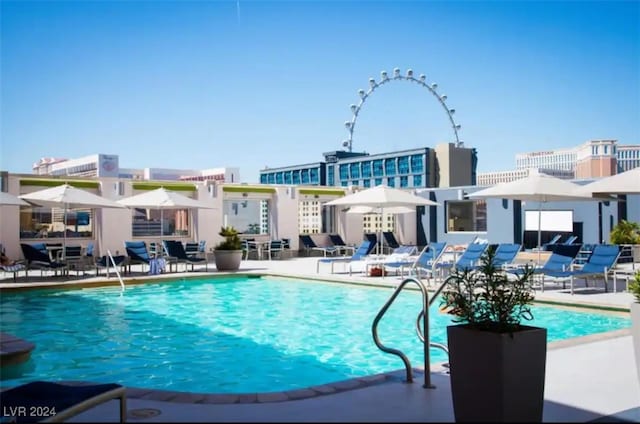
64 234
539 230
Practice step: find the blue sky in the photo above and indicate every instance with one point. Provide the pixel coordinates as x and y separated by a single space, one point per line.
205 84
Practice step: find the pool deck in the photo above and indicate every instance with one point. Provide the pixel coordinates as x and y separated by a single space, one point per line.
587 379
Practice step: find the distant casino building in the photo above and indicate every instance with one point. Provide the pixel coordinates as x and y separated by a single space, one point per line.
103 165
593 159
443 166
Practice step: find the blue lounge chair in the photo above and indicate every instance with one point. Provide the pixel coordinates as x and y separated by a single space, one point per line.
137 253
37 257
505 254
339 243
309 245
425 262
469 259
175 250
390 240
359 255
600 263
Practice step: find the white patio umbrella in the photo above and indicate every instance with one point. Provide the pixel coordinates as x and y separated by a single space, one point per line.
381 198
627 182
7 199
162 199
539 188
67 197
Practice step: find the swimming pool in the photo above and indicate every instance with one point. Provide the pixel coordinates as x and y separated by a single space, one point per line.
231 335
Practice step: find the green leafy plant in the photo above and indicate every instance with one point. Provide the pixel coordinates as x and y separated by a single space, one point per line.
625 232
486 298
634 286
231 239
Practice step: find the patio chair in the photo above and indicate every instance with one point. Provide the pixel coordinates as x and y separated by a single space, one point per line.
175 249
137 253
426 261
338 242
309 245
469 259
37 257
359 255
570 240
390 240
505 254
55 402
275 248
557 262
600 263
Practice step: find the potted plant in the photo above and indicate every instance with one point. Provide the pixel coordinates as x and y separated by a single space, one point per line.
627 233
228 253
634 289
497 363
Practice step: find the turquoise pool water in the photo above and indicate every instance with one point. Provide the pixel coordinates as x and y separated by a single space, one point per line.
232 335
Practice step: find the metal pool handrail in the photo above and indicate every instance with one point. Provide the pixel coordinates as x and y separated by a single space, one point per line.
115 267
421 316
425 309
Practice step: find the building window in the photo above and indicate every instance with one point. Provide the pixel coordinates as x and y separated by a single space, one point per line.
304 176
378 170
378 181
391 181
354 169
263 179
466 215
295 177
330 175
417 180
403 165
390 166
366 183
247 216
344 172
313 176
366 169
49 223
404 181
279 178
417 167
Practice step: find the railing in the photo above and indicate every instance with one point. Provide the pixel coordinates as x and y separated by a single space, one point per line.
421 316
115 267
425 316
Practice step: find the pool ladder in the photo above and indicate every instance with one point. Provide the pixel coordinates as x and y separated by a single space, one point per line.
422 335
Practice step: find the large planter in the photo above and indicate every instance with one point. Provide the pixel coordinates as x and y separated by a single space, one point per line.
227 260
497 377
635 333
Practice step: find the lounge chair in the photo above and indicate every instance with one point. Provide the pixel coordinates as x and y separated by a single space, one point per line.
426 261
37 257
557 262
505 254
390 240
43 401
175 250
309 245
15 268
137 253
600 263
359 255
570 240
339 243
469 259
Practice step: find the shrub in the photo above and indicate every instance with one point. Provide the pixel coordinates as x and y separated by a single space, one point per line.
634 287
485 298
231 239
625 232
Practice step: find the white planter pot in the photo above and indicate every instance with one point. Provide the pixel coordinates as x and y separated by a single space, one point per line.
635 333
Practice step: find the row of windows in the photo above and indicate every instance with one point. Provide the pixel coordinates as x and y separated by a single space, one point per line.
402 182
298 176
628 154
389 167
87 168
